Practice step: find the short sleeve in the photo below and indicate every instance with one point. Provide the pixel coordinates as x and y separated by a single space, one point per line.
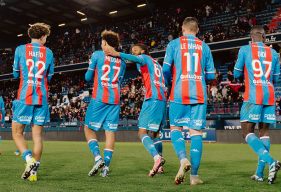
169 57
239 66
16 66
93 61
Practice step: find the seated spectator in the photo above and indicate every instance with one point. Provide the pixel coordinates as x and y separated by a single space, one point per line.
219 97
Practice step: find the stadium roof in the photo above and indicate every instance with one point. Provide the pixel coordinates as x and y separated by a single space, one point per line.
16 15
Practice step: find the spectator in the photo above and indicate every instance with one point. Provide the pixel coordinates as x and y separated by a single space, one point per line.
224 91
219 97
214 91
249 6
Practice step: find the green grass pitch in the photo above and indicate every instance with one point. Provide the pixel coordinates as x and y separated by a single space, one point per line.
65 166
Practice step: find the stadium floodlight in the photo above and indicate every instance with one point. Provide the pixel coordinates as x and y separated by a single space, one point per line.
80 13
84 19
61 24
142 5
20 35
112 12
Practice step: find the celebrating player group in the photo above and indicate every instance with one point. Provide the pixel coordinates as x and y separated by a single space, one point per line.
187 65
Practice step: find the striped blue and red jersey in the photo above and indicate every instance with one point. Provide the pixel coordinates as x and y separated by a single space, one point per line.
153 78
34 62
259 63
190 60
109 72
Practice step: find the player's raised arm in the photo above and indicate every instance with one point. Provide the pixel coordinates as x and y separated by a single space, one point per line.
239 65
129 57
167 65
276 71
92 67
16 67
210 69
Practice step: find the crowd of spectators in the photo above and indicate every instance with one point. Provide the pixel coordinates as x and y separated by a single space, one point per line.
81 43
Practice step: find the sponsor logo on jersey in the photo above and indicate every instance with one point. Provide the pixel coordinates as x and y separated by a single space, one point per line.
24 118
270 116
94 124
182 120
264 82
157 83
112 126
40 119
187 77
109 85
34 82
254 117
199 122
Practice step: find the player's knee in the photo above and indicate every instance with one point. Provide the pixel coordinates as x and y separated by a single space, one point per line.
142 132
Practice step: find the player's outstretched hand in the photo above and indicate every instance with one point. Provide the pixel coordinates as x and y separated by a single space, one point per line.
112 52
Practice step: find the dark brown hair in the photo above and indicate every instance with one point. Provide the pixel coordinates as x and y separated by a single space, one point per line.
111 38
37 30
143 47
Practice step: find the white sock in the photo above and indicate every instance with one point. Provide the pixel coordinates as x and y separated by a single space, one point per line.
156 157
97 157
194 177
27 158
183 161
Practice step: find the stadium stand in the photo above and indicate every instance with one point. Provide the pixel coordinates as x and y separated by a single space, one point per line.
68 97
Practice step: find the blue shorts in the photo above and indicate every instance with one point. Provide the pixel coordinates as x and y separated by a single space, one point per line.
188 116
153 115
102 115
257 113
25 114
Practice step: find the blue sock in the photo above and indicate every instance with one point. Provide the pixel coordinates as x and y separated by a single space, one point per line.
158 145
26 153
148 144
178 143
37 165
17 151
261 165
258 147
107 156
94 147
196 149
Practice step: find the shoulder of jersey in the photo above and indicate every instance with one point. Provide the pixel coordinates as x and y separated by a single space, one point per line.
175 41
98 52
274 52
